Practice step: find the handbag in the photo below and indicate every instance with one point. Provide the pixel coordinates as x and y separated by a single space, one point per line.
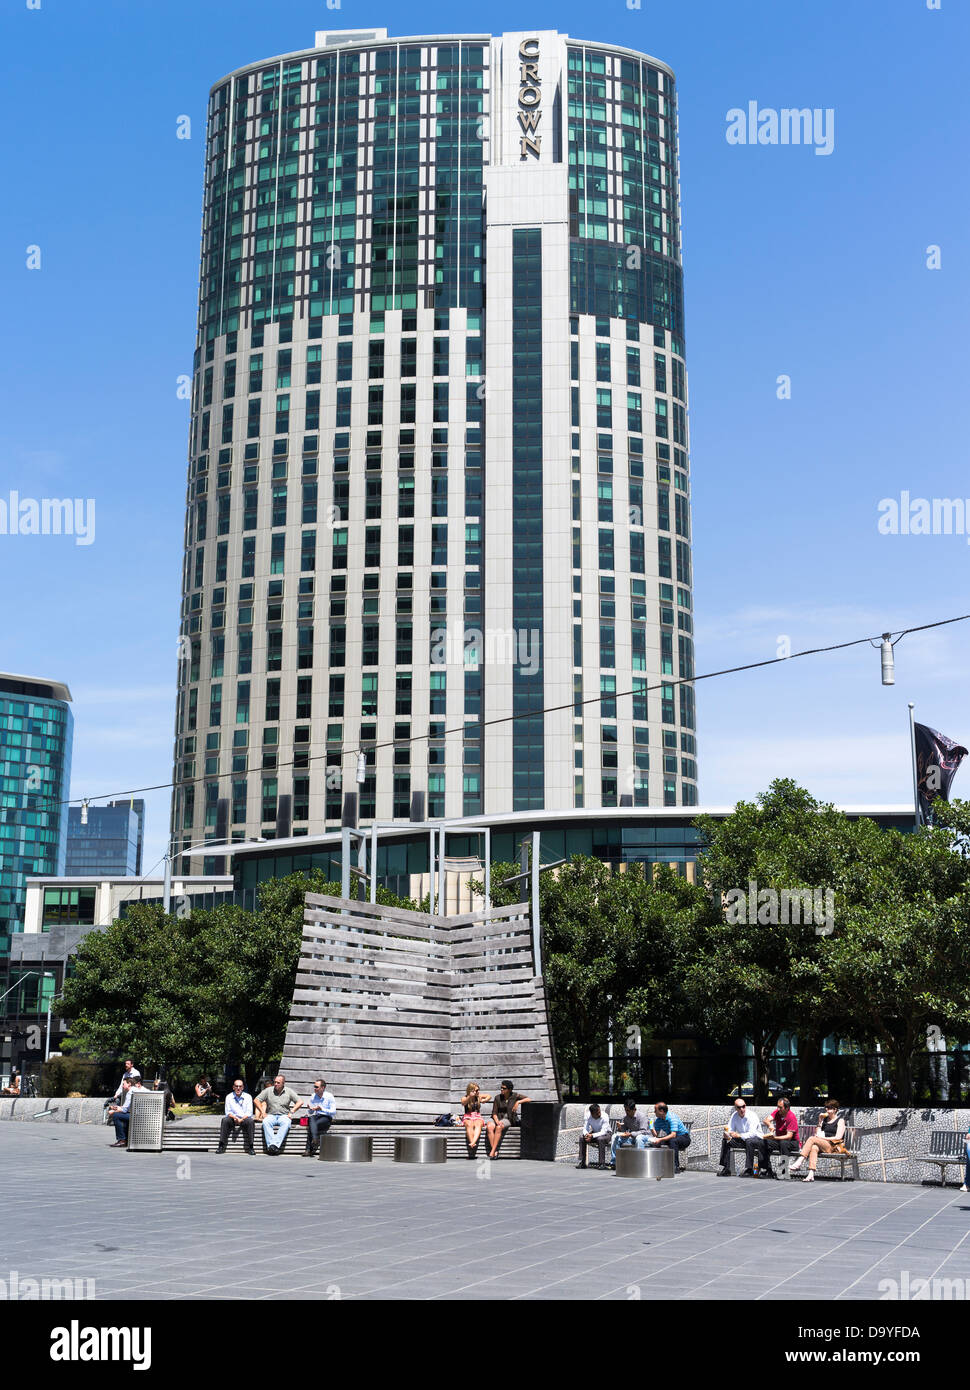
445 1122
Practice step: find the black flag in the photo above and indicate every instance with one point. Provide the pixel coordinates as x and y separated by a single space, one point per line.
937 760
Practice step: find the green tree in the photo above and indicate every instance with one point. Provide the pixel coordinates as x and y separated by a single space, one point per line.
131 991
195 991
900 961
610 944
898 953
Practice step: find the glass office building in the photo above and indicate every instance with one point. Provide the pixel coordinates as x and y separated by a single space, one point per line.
36 732
108 840
438 503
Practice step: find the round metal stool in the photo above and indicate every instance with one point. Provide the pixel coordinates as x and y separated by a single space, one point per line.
657 1161
420 1148
346 1148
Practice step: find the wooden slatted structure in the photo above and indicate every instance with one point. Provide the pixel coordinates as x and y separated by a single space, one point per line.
399 1010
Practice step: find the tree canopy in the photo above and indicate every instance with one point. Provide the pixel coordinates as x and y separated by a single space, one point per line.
204 990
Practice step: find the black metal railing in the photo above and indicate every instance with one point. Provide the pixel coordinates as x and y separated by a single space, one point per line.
855 1078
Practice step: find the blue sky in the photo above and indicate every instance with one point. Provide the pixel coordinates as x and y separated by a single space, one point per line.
798 264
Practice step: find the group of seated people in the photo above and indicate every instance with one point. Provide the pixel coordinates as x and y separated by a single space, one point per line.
118 1108
666 1129
275 1107
780 1136
505 1109
744 1130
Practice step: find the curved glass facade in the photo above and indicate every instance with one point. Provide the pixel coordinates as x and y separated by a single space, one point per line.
438 456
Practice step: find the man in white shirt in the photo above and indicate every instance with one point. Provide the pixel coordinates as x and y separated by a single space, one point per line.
321 1113
596 1130
130 1074
742 1131
119 1115
238 1117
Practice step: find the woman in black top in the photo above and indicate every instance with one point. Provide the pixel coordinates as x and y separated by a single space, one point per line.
828 1138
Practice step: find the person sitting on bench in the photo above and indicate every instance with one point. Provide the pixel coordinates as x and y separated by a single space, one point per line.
204 1094
238 1118
14 1088
829 1138
321 1113
471 1104
667 1128
596 1130
742 1131
131 1074
783 1138
169 1099
274 1105
504 1106
631 1125
119 1114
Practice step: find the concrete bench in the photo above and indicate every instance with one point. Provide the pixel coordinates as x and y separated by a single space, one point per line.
201 1135
947 1146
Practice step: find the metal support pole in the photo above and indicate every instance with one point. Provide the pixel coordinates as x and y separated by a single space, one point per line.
488 868
362 857
912 745
373 863
47 1049
431 867
345 861
536 932
442 881
167 888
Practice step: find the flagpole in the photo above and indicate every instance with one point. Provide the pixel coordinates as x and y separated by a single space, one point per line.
912 747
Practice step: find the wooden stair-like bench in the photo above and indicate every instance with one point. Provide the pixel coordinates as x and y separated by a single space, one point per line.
201 1136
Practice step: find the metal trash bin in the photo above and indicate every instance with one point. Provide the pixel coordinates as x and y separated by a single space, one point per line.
146 1121
656 1161
420 1148
346 1148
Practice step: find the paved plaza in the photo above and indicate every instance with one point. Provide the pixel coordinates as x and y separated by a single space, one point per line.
165 1226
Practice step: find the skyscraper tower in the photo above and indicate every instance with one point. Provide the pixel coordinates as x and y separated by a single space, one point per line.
438 495
36 739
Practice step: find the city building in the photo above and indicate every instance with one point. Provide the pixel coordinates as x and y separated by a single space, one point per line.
59 912
438 505
105 840
36 733
618 836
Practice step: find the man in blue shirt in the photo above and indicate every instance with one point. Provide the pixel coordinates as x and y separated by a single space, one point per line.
321 1113
667 1128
